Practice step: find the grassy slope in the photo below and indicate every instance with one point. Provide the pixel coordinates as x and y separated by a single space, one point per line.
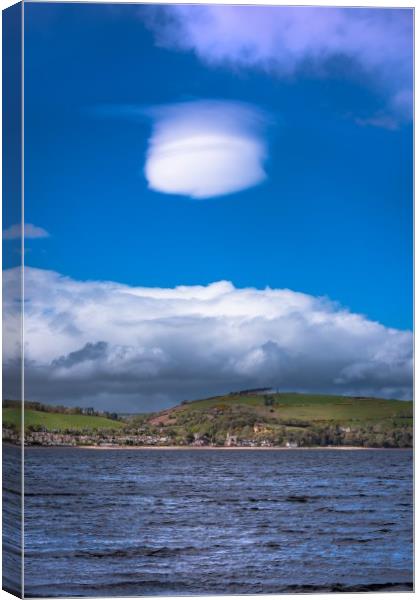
57 421
305 419
317 408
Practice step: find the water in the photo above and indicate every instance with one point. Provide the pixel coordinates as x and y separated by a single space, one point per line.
12 520
150 522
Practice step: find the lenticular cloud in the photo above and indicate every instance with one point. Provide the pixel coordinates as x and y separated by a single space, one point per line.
206 148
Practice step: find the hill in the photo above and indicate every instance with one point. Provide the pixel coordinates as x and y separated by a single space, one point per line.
278 419
243 419
54 421
302 406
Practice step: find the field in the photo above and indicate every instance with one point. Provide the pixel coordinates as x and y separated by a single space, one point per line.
290 418
314 408
243 419
57 421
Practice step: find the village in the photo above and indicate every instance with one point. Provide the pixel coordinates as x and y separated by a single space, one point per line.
104 439
248 419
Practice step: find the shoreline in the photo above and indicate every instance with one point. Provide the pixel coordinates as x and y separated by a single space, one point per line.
219 448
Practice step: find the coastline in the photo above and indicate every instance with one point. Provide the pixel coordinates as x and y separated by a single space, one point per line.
202 448
231 448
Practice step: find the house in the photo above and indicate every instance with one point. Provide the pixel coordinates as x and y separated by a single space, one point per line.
200 440
231 440
266 444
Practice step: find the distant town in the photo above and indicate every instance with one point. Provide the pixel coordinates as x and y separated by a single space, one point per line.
255 418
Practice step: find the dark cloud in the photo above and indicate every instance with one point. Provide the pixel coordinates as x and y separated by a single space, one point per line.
89 351
135 349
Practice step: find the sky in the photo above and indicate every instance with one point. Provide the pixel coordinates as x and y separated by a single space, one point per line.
216 197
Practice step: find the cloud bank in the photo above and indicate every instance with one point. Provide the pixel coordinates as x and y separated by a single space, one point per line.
206 148
130 348
286 40
14 232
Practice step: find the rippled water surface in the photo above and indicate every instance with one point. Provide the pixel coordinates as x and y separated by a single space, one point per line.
152 522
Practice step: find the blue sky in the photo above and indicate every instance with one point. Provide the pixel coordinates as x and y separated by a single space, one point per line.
216 198
333 217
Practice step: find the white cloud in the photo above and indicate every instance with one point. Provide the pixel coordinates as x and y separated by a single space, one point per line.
14 232
123 347
286 40
381 120
204 149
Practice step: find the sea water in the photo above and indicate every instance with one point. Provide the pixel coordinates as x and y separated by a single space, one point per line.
155 522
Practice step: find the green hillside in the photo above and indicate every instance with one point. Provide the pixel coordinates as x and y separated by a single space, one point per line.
304 419
307 407
284 419
57 421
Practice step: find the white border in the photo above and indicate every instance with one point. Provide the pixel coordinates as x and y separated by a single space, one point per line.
366 3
